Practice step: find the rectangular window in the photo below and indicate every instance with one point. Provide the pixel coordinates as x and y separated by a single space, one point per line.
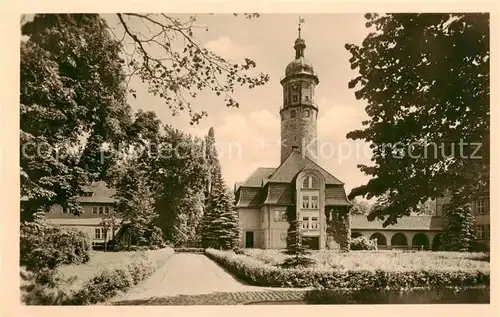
97 233
101 209
305 201
314 202
106 210
480 232
480 206
305 222
65 210
94 210
314 223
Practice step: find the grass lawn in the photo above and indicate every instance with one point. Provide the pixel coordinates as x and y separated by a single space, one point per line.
386 260
98 261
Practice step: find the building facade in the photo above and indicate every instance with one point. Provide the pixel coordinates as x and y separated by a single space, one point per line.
263 199
98 203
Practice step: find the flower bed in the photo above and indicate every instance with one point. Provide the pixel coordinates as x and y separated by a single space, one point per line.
256 272
384 260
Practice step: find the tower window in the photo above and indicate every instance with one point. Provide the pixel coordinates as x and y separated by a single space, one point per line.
295 98
293 114
307 112
307 98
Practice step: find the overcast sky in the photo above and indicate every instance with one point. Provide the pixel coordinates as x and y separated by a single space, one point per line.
269 40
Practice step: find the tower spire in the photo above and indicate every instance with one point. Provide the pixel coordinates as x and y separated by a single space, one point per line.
300 44
301 20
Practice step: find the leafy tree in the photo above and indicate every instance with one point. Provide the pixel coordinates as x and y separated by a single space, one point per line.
425 78
296 248
136 205
72 100
360 207
74 83
459 231
179 171
183 67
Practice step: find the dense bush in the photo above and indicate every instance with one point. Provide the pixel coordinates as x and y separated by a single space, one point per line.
190 250
363 243
35 293
258 273
43 245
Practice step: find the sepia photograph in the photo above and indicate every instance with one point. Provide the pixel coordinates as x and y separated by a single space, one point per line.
254 158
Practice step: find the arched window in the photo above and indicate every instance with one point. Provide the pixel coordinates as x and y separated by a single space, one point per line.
310 182
293 114
307 113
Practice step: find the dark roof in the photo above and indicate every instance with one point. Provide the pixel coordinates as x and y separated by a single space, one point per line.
249 197
405 223
257 177
295 163
335 196
101 194
279 194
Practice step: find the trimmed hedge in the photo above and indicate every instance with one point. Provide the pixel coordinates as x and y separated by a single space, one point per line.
261 274
189 250
107 283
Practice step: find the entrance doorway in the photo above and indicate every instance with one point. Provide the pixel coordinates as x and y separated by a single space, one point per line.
311 242
249 239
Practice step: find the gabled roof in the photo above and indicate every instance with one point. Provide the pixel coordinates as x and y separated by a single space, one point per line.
257 177
295 163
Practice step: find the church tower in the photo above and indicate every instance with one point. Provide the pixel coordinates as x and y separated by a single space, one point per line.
299 113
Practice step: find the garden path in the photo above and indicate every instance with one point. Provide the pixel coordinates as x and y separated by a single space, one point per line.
186 274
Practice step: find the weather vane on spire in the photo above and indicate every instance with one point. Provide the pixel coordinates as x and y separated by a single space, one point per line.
301 20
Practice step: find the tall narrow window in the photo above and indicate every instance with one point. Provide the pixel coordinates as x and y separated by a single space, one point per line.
305 201
101 209
314 223
480 206
293 113
307 111
305 222
480 232
106 210
314 202
97 233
